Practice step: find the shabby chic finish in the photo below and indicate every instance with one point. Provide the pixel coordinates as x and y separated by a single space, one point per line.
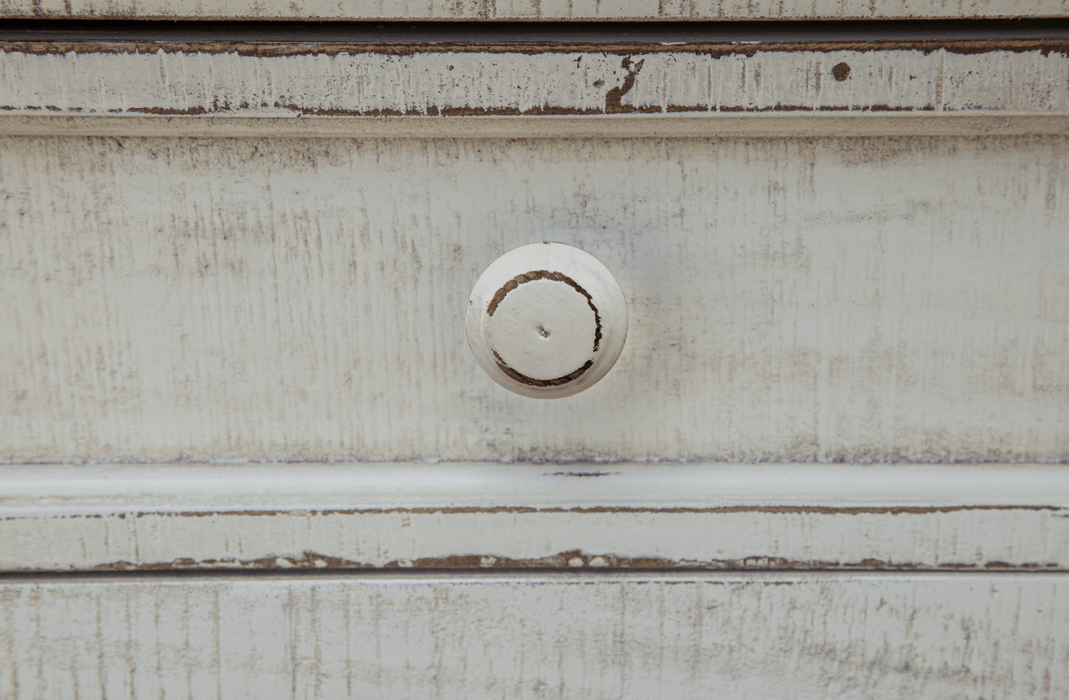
857 300
1015 77
730 636
234 347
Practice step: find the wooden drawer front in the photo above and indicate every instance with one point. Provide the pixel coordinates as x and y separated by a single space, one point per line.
687 636
858 300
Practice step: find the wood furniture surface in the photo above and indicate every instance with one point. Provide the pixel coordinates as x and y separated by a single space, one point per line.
246 451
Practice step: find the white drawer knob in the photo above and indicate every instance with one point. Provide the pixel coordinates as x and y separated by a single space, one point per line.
547 320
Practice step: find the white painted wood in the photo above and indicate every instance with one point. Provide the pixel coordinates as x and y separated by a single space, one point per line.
797 637
214 300
859 300
104 488
546 320
1030 79
706 125
472 516
533 9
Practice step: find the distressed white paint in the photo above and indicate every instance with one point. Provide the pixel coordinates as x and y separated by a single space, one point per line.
96 489
676 125
796 637
999 82
533 9
219 299
790 299
393 515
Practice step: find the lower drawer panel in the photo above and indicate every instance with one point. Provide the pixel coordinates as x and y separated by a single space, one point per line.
613 635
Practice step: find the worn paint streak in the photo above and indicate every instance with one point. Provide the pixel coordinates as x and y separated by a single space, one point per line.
564 560
918 538
447 510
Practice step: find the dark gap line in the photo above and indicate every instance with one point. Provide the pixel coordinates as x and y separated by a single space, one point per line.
432 32
225 574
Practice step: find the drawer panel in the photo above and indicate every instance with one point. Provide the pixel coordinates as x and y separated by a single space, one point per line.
673 636
794 299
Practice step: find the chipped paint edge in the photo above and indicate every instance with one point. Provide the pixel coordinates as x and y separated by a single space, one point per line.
614 10
574 559
709 82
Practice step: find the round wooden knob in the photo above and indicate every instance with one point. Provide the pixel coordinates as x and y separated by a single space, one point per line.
547 320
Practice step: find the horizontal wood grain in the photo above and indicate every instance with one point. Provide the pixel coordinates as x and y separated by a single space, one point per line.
1014 77
534 9
790 300
797 637
465 516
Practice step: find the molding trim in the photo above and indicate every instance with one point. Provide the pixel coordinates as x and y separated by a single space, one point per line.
626 516
716 125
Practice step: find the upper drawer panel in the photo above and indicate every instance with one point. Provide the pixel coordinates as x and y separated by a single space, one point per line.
533 9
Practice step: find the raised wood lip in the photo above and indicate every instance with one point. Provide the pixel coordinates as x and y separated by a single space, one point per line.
492 487
680 125
468 516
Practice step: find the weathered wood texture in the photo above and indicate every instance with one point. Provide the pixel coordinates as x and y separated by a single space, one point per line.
797 637
791 300
533 9
1015 77
673 125
488 516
